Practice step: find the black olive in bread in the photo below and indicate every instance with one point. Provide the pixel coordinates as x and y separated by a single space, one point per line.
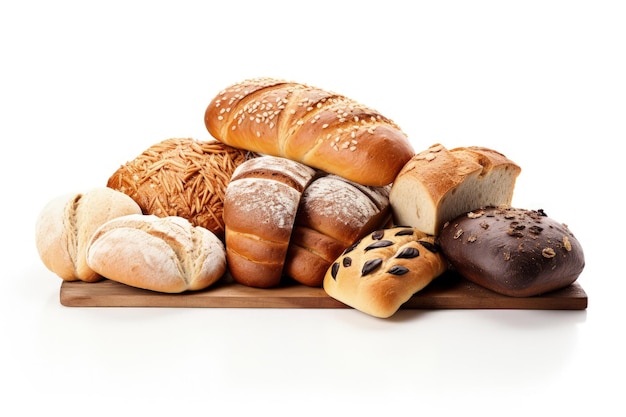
380 272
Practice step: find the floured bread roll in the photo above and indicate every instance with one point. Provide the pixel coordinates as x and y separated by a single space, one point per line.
66 224
181 177
334 213
165 254
260 209
383 270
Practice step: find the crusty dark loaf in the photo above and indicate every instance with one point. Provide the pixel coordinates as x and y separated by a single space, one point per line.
181 177
333 214
512 251
318 128
260 209
383 270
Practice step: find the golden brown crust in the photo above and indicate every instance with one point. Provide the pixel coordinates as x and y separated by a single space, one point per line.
383 270
333 214
260 208
321 129
181 177
310 255
438 184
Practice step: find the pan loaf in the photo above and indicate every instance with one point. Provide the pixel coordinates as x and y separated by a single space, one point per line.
260 209
164 254
438 184
321 129
333 214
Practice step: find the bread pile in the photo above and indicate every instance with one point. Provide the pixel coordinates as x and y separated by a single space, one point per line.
302 185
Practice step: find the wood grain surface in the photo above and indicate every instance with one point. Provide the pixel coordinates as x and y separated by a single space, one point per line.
447 292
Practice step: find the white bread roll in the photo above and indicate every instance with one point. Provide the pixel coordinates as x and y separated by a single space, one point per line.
334 213
66 223
260 207
165 254
438 184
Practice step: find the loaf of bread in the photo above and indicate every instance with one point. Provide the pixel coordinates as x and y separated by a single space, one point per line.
66 223
164 254
438 184
333 214
383 270
260 208
181 177
516 252
321 129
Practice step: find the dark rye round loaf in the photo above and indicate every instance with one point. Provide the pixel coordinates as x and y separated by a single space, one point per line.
512 251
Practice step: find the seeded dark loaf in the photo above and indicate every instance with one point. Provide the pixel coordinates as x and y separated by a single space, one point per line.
181 177
333 214
512 251
383 270
260 207
438 184
318 128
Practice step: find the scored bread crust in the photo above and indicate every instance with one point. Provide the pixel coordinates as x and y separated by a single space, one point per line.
164 254
66 223
383 270
333 214
318 128
438 184
260 208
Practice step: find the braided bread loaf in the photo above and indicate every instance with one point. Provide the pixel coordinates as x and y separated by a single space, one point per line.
318 128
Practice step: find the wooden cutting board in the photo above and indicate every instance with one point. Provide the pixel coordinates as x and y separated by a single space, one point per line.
447 292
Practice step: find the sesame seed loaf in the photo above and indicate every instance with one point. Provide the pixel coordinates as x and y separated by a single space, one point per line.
66 223
438 184
181 177
384 269
260 207
164 254
324 130
333 214
516 252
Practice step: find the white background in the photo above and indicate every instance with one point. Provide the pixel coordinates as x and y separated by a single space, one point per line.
87 86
